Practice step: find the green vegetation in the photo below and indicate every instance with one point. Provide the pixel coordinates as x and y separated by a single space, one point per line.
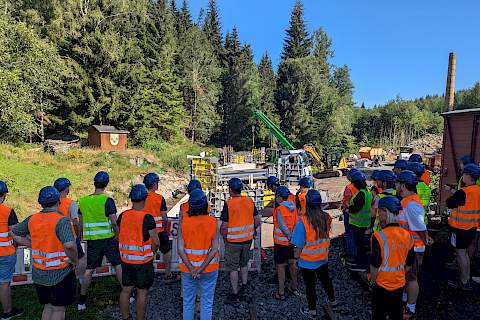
151 68
104 294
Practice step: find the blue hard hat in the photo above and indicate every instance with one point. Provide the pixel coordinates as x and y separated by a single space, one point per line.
138 192
416 168
401 164
357 176
415 158
467 159
283 192
3 187
48 195
102 177
194 184
150 179
235 184
390 203
374 174
314 198
305 182
197 200
272 180
408 177
61 184
472 170
387 176
352 171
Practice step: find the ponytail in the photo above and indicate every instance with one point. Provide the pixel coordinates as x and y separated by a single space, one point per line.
320 221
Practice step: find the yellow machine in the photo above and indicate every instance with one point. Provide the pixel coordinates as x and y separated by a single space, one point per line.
326 168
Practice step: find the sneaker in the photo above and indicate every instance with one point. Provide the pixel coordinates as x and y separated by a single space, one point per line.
12 314
459 285
81 306
311 314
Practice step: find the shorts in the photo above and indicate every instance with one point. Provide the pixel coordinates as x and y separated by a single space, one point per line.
7 267
60 295
237 255
139 276
97 249
412 274
165 245
462 239
281 253
80 251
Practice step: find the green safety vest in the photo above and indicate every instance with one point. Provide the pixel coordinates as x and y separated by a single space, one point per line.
362 218
376 225
424 193
95 224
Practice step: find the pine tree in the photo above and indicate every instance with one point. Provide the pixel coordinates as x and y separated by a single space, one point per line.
297 44
267 96
322 51
184 20
213 28
341 80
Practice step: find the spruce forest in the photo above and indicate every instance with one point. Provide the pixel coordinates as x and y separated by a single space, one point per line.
153 68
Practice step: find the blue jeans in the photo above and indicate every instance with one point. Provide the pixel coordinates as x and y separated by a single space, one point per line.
349 240
7 267
207 284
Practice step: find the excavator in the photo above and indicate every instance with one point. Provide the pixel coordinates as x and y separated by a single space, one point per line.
331 165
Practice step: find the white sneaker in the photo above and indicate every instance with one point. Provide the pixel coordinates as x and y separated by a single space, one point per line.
81 306
476 279
132 299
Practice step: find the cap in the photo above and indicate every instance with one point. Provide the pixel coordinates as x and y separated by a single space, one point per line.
150 179
194 184
272 180
415 158
197 200
408 177
48 195
61 184
235 184
387 176
467 159
305 182
401 164
357 176
102 177
138 193
283 192
3 187
314 198
416 168
472 170
390 203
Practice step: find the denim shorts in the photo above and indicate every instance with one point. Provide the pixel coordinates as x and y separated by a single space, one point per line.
7 267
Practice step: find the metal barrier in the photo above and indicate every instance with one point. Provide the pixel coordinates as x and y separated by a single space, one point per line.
23 267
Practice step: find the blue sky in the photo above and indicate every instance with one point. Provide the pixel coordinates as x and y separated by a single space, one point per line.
392 47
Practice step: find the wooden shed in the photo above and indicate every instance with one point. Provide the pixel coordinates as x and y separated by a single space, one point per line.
461 137
107 138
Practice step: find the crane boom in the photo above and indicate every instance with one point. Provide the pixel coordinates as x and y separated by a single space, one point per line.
274 129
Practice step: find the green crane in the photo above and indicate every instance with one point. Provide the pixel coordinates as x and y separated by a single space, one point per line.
274 129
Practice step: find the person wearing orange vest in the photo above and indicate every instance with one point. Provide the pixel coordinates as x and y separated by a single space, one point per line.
463 221
8 255
284 220
305 184
240 219
412 219
425 177
54 254
311 238
69 208
349 192
198 248
137 242
392 254
157 207
192 185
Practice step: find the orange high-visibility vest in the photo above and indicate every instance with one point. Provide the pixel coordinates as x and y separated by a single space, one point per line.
426 177
47 251
240 225
467 216
198 233
353 191
133 249
290 218
153 204
6 242
418 242
302 198
64 206
315 249
395 243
